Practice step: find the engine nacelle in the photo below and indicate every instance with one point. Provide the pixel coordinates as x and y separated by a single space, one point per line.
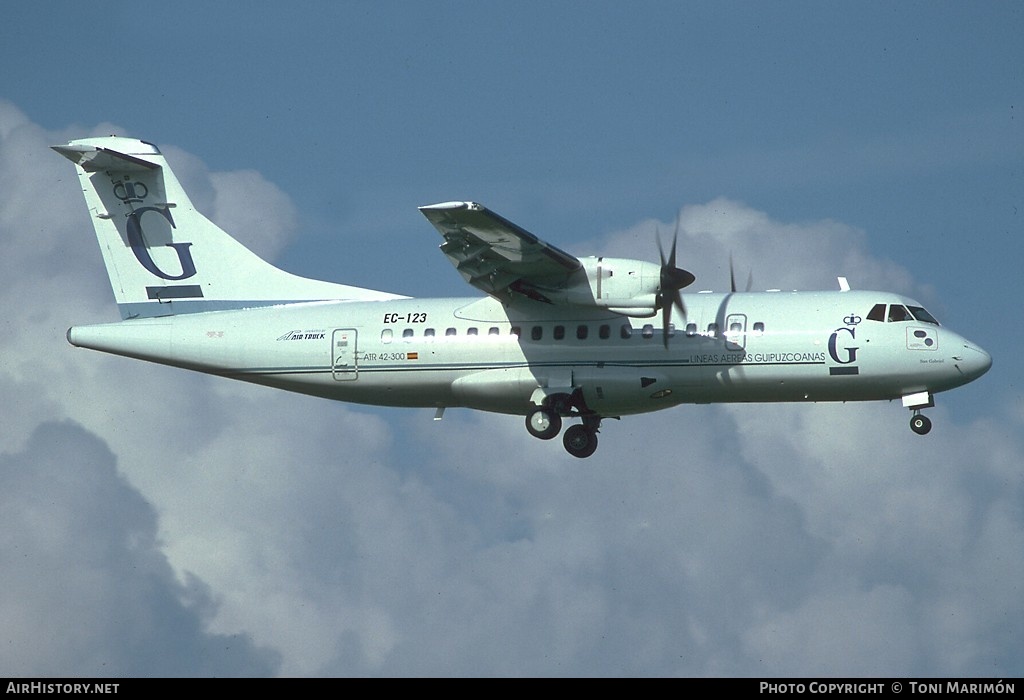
621 285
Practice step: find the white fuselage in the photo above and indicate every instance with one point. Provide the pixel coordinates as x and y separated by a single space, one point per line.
556 337
478 353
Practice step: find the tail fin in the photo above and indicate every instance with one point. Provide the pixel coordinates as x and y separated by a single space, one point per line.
164 257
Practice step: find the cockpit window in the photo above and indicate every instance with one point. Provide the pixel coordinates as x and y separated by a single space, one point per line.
921 315
898 312
877 313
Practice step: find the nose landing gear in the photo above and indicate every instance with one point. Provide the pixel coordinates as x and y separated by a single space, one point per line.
920 423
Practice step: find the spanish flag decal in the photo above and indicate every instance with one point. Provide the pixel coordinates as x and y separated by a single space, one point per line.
412 356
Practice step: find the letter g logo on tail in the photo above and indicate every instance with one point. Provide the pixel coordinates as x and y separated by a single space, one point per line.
138 244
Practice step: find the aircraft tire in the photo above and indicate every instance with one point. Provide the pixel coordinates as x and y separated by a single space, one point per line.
543 423
580 441
920 424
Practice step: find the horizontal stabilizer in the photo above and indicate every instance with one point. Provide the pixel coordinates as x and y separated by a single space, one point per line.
96 158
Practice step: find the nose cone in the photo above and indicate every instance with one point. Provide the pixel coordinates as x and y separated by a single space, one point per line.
972 361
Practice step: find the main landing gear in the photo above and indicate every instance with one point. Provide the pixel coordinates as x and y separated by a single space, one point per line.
581 440
545 422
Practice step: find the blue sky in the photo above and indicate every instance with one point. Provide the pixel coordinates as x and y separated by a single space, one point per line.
877 140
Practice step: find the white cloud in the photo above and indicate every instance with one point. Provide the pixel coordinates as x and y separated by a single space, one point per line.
808 255
846 633
242 202
703 540
87 589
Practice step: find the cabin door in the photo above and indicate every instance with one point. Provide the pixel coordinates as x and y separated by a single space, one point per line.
344 365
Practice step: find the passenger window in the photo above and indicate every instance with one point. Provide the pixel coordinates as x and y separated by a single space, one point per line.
428 333
582 332
877 313
493 330
712 330
537 332
471 331
647 332
626 332
516 331
385 336
671 330
559 332
898 312
450 331
759 328
604 332
407 335
691 330
735 328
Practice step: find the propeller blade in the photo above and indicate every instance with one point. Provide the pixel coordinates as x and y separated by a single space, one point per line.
678 303
670 281
666 315
732 277
675 239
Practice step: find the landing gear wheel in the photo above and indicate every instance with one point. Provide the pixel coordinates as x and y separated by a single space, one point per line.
580 441
920 424
543 424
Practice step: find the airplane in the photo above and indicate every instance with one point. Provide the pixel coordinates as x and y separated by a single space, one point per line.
556 337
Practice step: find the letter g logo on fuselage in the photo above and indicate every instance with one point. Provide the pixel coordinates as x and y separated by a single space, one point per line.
834 349
138 244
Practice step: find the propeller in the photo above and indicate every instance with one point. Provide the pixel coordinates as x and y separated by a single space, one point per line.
672 279
732 277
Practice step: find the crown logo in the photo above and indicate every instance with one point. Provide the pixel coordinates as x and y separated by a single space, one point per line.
130 191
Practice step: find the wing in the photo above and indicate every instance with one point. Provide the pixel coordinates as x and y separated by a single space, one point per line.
495 255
